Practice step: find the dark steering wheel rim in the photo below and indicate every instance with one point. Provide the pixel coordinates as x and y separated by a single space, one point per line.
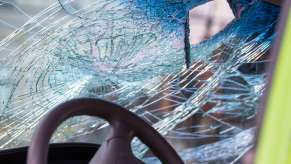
111 112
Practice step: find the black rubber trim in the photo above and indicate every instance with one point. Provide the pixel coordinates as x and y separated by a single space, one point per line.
58 153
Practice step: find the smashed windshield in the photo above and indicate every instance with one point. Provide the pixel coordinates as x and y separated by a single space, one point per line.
201 97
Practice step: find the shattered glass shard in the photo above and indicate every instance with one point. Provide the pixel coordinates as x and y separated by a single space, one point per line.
73 7
110 54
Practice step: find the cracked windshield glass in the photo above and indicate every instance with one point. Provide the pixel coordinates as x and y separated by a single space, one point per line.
192 69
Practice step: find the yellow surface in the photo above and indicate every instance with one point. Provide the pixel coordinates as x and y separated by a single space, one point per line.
275 138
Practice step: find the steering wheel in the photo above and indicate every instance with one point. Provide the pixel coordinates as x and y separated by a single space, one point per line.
116 149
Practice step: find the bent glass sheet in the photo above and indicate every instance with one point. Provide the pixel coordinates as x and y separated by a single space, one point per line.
201 97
